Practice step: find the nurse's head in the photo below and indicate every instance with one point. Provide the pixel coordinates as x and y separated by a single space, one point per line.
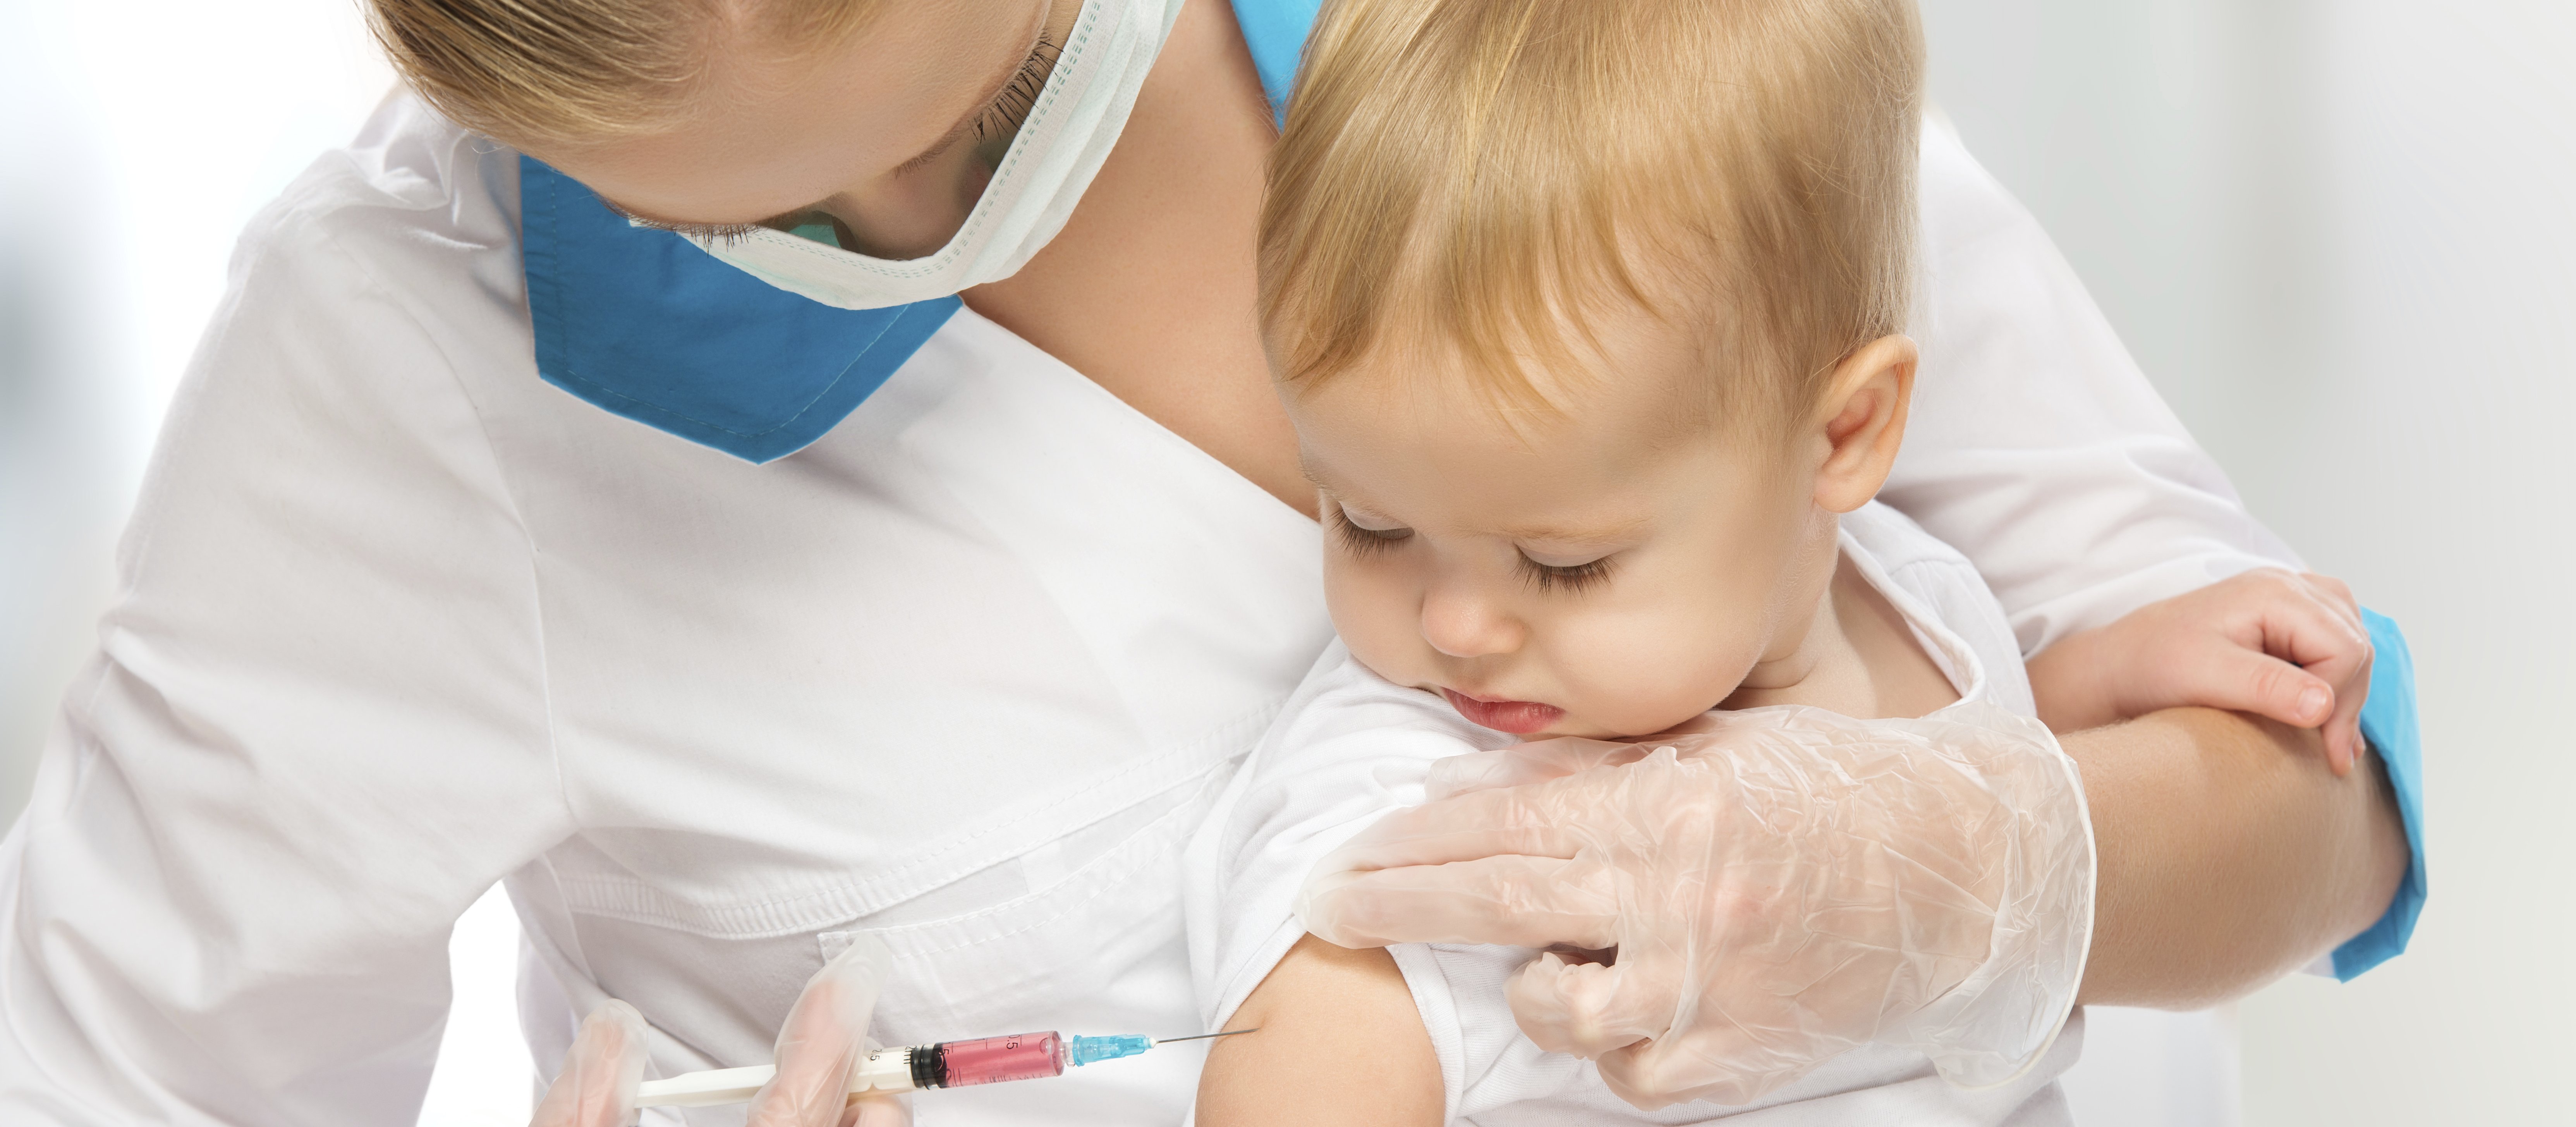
1587 315
883 116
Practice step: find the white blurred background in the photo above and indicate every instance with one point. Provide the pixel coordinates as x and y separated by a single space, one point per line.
2340 235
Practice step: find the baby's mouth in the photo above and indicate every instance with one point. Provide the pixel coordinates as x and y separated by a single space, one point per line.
1518 717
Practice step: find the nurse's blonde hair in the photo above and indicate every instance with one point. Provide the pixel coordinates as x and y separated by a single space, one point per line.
1483 180
546 73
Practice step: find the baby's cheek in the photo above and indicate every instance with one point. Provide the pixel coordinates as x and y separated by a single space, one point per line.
1646 673
1375 618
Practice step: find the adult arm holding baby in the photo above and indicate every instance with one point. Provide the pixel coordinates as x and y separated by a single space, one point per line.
2224 862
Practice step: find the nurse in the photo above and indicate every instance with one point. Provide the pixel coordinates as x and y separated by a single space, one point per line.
474 550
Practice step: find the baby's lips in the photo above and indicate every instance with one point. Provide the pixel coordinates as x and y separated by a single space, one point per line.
1518 717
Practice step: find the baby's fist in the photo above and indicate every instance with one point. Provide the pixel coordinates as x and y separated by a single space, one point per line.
2272 642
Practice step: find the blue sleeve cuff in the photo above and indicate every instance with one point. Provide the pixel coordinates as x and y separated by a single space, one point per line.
2388 722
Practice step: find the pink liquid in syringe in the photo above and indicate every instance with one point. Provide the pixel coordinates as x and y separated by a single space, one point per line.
1022 1056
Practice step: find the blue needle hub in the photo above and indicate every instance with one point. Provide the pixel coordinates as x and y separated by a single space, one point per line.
1084 1050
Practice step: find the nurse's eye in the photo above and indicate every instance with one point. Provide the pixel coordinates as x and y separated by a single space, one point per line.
1569 578
1361 539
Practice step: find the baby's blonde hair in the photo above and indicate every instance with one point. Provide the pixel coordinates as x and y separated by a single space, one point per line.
1492 176
547 73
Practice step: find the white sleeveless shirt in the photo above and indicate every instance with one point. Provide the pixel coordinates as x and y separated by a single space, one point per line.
1352 747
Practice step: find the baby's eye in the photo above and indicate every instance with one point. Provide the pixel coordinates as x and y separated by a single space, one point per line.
1570 578
1365 534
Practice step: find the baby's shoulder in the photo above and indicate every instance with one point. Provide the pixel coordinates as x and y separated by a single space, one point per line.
1946 599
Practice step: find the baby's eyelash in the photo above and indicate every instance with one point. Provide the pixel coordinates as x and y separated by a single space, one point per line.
1363 541
1020 94
1573 579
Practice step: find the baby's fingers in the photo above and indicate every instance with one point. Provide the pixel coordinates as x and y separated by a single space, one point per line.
2244 680
2323 633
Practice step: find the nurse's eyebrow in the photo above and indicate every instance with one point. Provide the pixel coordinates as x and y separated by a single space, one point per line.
1023 80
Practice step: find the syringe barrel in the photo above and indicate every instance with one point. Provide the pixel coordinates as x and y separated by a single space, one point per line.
988 1060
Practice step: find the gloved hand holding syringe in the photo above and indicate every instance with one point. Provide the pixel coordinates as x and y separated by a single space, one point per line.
825 1075
943 1064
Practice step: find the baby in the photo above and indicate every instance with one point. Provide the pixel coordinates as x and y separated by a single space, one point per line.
1589 316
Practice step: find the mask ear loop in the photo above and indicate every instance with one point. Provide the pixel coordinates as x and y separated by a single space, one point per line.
1066 63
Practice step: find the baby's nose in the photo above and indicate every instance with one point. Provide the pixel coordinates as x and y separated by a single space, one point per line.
1463 624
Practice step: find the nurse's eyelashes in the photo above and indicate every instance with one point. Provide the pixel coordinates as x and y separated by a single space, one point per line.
1011 106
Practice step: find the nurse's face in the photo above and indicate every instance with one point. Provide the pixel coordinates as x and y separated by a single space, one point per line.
893 134
1604 573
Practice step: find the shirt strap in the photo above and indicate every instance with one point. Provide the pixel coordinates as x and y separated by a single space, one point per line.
2388 722
642 323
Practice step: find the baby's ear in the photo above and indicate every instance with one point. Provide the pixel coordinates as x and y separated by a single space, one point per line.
1863 415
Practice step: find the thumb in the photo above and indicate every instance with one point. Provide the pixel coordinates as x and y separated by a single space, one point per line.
1586 1009
824 1040
600 1072
2243 680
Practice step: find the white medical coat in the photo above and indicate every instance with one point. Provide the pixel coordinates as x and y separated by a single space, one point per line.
396 620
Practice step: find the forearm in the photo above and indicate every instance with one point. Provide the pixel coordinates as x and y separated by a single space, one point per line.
2229 855
1340 1043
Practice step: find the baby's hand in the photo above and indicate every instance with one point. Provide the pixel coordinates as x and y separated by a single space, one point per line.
2271 642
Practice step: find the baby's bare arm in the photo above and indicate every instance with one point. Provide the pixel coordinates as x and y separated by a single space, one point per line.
1340 1043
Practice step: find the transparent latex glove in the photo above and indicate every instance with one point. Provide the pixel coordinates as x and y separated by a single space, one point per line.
819 1048
822 1045
2272 642
1771 890
597 1085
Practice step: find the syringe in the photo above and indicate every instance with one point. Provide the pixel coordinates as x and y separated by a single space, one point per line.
943 1064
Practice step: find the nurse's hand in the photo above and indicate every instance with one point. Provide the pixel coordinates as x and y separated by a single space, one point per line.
597 1085
2272 642
1781 887
819 1048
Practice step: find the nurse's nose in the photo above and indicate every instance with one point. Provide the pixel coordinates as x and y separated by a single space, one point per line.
1461 619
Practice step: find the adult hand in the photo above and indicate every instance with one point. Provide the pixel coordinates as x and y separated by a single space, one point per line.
1781 887
596 1087
2272 642
820 1047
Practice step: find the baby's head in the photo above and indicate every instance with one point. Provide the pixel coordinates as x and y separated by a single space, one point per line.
1587 314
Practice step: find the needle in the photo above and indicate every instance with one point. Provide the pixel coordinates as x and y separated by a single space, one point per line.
1205 1036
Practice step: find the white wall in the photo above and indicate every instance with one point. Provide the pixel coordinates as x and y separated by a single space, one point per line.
2339 235
135 140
